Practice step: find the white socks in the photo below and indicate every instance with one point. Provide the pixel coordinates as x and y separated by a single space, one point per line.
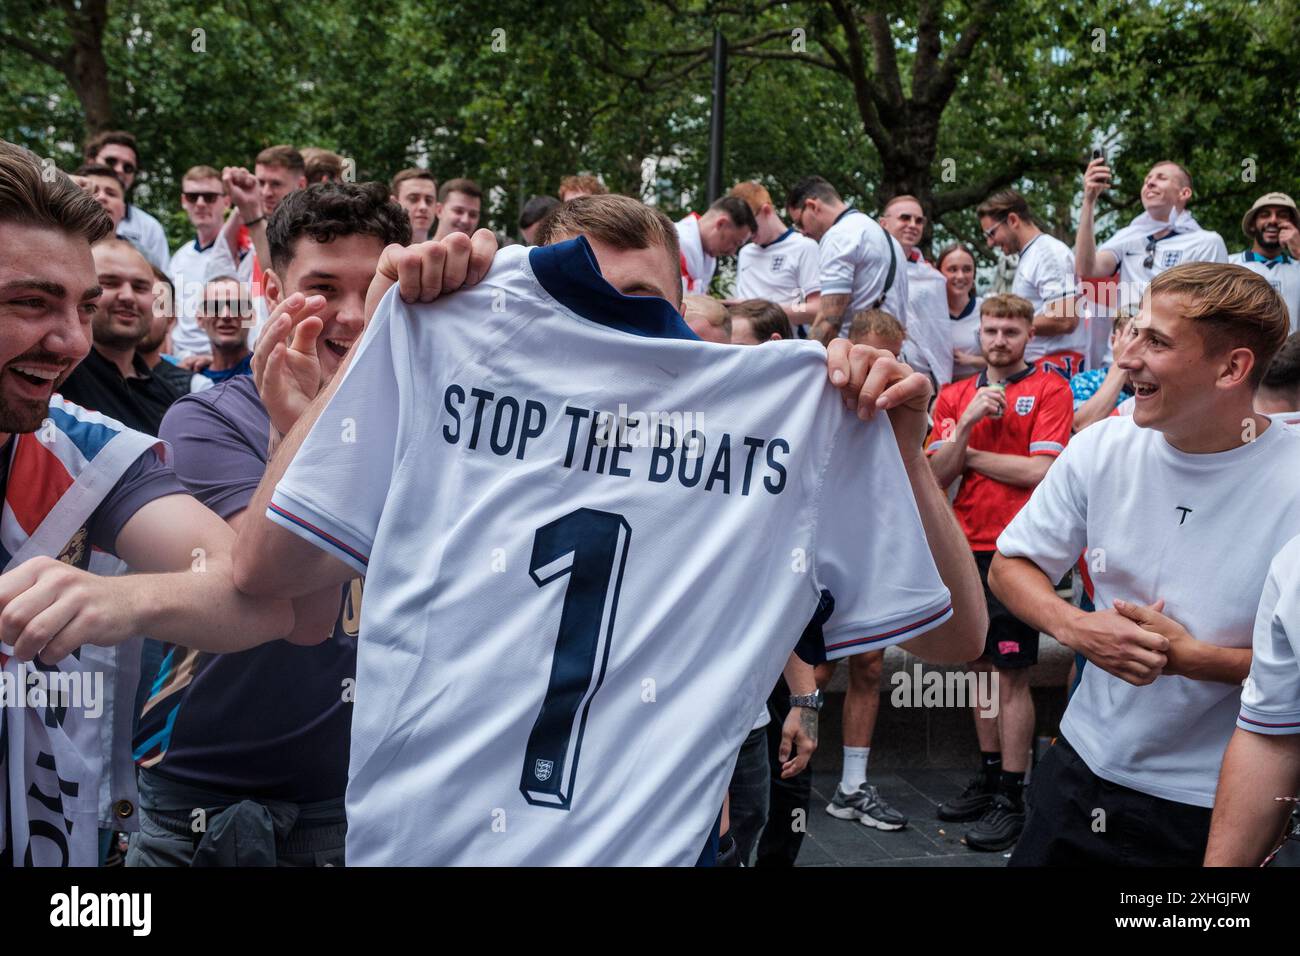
854 772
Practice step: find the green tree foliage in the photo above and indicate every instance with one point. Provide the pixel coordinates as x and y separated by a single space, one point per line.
948 99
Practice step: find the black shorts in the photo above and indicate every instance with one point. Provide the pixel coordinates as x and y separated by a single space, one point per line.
1078 819
1011 643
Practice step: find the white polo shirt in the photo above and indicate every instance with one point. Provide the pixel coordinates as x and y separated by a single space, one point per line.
697 265
854 261
145 233
784 271
1154 522
1044 275
1130 250
1284 276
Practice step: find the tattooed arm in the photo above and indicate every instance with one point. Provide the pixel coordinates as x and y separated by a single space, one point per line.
800 728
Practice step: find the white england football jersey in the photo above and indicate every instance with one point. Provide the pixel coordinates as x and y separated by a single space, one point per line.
1270 698
1045 274
1131 249
965 333
569 626
784 271
188 272
697 265
1282 276
854 256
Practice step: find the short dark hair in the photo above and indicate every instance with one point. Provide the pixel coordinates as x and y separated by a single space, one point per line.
1283 374
465 186
535 210
326 211
737 210
321 165
30 197
810 187
766 317
111 137
99 169
285 156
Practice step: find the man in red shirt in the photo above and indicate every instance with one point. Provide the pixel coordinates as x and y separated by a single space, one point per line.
998 432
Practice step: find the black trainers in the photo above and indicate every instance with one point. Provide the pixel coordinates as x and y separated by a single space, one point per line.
999 828
974 800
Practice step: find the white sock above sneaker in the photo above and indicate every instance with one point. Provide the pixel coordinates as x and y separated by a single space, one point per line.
854 773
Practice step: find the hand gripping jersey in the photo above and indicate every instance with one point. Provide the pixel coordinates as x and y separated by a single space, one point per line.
65 758
590 543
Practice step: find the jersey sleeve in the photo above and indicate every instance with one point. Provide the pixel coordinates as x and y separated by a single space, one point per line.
1270 698
1054 276
212 457
1051 530
1053 423
810 282
147 479
836 265
1115 245
871 552
944 415
333 493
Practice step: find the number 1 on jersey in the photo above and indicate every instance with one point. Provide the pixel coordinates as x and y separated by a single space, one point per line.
591 548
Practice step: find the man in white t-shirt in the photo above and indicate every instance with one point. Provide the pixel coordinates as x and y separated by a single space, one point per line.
118 150
1273 226
1164 235
650 782
725 226
1152 501
861 266
779 264
203 195
929 336
1044 276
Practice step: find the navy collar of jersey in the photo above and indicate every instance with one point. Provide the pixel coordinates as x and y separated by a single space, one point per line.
569 273
970 304
1280 259
785 235
200 248
843 214
1020 376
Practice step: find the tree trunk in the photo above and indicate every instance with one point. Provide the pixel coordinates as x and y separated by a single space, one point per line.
86 68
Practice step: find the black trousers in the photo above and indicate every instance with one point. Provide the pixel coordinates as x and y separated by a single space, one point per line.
1076 818
787 816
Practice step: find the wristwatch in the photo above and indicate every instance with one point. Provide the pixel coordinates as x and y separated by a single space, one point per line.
812 701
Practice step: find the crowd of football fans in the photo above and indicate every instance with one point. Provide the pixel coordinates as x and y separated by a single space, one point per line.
1020 368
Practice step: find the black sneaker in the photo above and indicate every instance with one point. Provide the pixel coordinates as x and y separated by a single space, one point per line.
974 800
999 828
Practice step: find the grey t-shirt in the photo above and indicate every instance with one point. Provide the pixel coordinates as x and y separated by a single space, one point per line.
147 478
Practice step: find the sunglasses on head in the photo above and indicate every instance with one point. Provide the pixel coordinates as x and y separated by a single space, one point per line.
208 198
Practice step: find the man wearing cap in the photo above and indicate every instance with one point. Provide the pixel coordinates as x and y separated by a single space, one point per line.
1273 226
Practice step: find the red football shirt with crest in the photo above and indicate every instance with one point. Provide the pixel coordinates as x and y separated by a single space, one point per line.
1038 421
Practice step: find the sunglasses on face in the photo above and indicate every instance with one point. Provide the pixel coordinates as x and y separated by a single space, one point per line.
209 198
114 163
988 233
